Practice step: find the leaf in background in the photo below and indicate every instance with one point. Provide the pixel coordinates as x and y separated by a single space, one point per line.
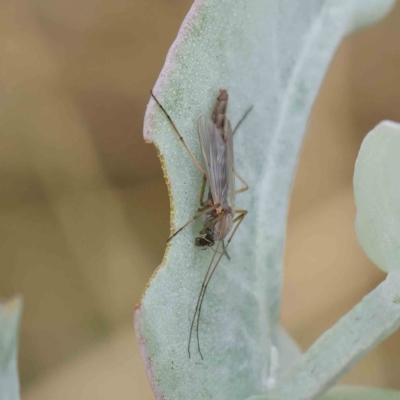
350 393
361 393
335 352
10 312
377 195
272 55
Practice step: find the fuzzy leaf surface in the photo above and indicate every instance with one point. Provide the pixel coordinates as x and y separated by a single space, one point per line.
10 312
377 195
271 55
361 393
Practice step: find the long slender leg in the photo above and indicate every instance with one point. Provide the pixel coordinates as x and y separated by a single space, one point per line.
199 167
209 224
241 120
203 189
198 300
244 188
223 248
239 220
198 214
239 216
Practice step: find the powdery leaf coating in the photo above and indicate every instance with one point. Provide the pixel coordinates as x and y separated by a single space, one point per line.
10 313
377 195
272 55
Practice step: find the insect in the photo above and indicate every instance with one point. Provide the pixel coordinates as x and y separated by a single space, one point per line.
218 209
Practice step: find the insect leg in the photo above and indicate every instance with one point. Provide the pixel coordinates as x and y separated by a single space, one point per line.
199 298
239 220
198 166
244 188
239 212
242 119
209 224
198 214
223 249
203 189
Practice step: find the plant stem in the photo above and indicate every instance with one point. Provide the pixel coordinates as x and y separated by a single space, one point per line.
337 350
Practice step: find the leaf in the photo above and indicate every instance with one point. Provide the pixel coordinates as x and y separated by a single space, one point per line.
350 393
361 393
366 325
377 195
272 55
10 313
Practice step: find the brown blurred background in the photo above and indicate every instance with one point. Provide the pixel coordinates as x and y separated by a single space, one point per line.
84 212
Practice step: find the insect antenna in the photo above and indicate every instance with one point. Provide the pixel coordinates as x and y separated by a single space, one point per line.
209 275
204 288
200 299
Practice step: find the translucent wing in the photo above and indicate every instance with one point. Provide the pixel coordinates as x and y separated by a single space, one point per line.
230 165
217 148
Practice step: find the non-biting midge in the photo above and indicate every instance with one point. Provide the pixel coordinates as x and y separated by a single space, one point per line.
218 210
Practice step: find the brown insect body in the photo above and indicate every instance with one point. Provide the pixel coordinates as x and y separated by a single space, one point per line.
216 141
218 210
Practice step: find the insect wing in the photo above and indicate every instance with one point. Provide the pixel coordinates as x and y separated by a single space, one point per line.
230 166
205 129
217 149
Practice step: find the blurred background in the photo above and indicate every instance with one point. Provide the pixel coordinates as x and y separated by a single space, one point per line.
84 211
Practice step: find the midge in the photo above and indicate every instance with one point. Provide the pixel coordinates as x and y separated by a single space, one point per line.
218 209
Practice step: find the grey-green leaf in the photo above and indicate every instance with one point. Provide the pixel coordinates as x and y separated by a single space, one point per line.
367 324
361 393
377 195
272 55
350 393
10 313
